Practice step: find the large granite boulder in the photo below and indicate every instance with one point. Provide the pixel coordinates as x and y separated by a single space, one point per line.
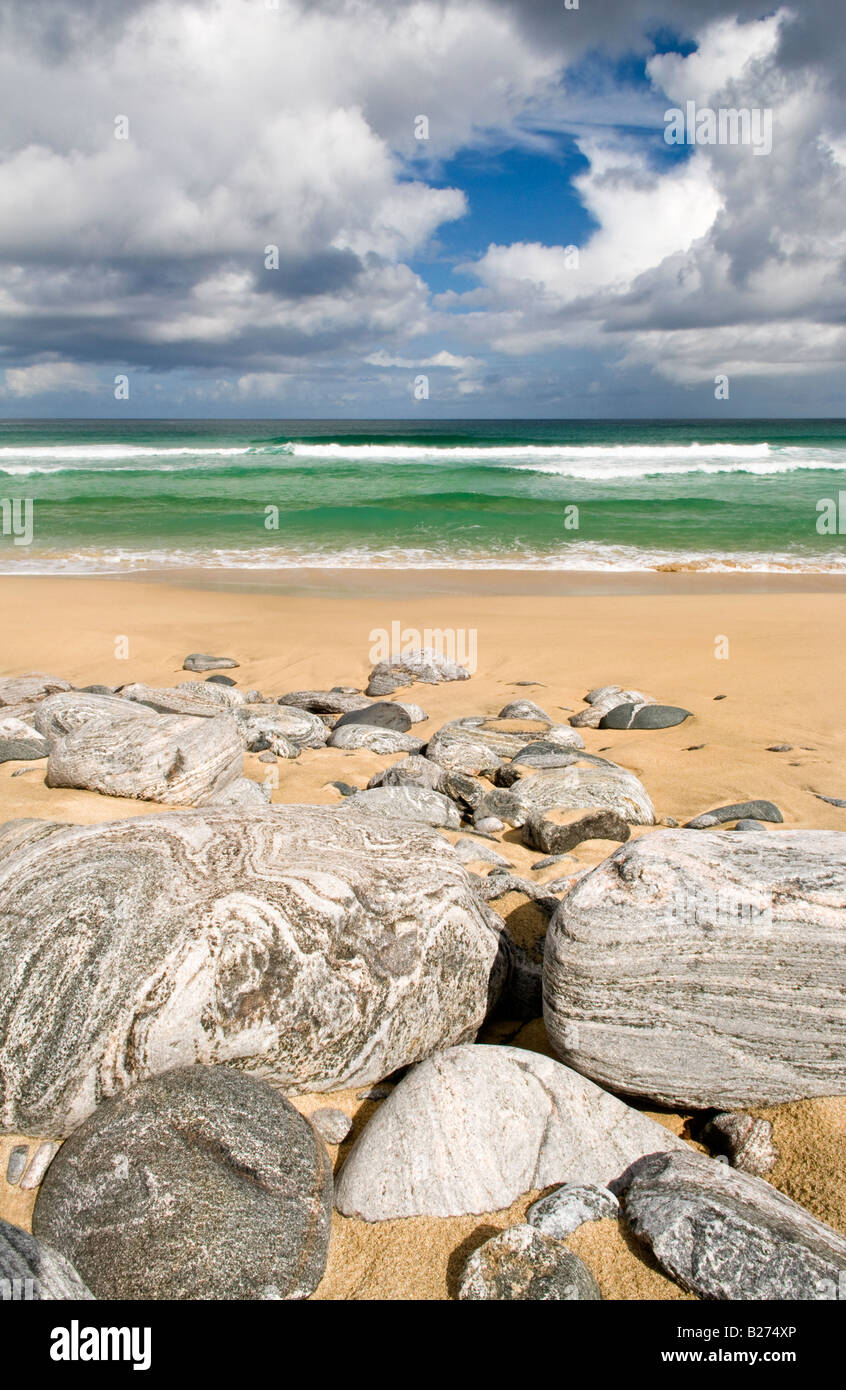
32 1272
725 1234
316 948
122 748
198 1184
473 1128
705 970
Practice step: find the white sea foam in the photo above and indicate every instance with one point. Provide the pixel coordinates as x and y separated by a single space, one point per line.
582 557
580 461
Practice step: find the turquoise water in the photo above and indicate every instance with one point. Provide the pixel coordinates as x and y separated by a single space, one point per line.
108 496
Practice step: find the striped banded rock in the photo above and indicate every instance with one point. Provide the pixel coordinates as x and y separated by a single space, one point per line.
705 969
16 690
314 948
204 699
415 664
586 783
32 1271
273 726
105 744
477 745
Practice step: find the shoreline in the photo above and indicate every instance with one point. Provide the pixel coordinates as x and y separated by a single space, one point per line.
421 583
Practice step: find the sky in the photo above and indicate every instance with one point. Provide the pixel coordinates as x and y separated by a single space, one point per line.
419 209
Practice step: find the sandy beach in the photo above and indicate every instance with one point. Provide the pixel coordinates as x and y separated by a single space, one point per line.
780 683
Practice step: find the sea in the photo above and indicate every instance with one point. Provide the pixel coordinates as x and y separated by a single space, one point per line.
105 496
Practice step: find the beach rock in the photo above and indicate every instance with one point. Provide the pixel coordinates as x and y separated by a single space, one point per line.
644 716
40 1162
557 832
124 749
331 1124
196 698
33 1272
488 825
536 755
421 664
202 1183
523 1264
478 746
747 1141
385 716
831 800
278 727
414 712
472 1128
200 661
221 680
20 742
524 709
64 713
16 690
780 748
587 784
324 701
243 794
413 771
376 739
500 881
98 689
749 825
603 699
18 1158
705 970
724 1234
468 791
740 810
405 803
470 852
569 1207
313 947
458 749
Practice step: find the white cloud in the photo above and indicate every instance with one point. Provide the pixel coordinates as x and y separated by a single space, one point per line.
44 377
294 128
